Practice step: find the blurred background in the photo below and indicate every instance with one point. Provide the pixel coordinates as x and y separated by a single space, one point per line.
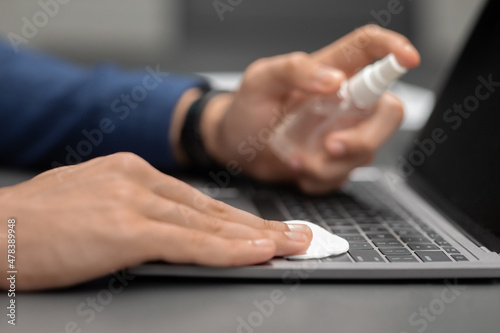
226 35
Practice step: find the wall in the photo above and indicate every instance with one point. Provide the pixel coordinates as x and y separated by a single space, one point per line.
190 36
126 31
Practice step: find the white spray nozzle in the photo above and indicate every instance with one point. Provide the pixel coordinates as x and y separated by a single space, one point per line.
366 86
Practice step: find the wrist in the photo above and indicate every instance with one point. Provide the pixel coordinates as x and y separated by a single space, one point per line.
177 123
211 129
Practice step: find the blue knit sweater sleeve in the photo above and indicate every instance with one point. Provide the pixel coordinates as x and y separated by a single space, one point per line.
54 113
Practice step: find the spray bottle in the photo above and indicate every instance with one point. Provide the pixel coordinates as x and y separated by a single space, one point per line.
302 132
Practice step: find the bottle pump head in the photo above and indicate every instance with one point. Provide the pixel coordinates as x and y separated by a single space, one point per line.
366 86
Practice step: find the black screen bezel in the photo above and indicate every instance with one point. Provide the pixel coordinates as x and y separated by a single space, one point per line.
418 182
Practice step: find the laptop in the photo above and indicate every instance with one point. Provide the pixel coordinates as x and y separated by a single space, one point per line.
436 214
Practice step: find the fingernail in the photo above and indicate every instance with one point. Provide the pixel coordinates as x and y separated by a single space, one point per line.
328 76
296 236
336 148
262 242
410 48
298 228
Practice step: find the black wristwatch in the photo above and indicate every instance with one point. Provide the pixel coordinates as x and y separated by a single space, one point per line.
191 140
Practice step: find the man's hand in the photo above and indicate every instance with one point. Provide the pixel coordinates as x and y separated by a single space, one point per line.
80 222
238 126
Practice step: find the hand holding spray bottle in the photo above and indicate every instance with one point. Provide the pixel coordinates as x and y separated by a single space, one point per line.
302 133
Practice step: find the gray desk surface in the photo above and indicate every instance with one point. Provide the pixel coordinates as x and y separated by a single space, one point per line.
186 305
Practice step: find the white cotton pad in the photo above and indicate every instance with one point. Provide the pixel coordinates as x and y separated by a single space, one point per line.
323 243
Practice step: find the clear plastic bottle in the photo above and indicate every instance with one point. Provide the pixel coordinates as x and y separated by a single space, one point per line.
302 132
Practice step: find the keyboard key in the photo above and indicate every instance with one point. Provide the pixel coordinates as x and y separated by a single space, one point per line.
354 238
341 258
370 228
394 251
325 206
329 213
299 211
402 258
296 208
359 214
419 240
386 243
408 233
422 247
451 250
366 256
432 256
338 223
394 215
442 242
397 223
419 222
345 231
303 217
301 214
360 246
433 235
427 229
389 215
367 220
459 257
269 209
379 236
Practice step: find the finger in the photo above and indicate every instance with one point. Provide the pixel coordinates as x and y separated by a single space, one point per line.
364 45
369 135
327 174
180 192
175 190
293 241
138 170
135 168
177 244
281 74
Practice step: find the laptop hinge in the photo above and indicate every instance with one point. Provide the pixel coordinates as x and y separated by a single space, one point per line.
485 249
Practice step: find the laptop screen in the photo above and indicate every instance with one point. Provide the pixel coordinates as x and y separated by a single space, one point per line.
455 159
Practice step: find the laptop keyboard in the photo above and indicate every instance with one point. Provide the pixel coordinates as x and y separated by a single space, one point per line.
377 228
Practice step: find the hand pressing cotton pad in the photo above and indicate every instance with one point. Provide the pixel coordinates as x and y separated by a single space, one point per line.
323 243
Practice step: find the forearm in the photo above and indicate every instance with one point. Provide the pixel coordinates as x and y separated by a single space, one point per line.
53 113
